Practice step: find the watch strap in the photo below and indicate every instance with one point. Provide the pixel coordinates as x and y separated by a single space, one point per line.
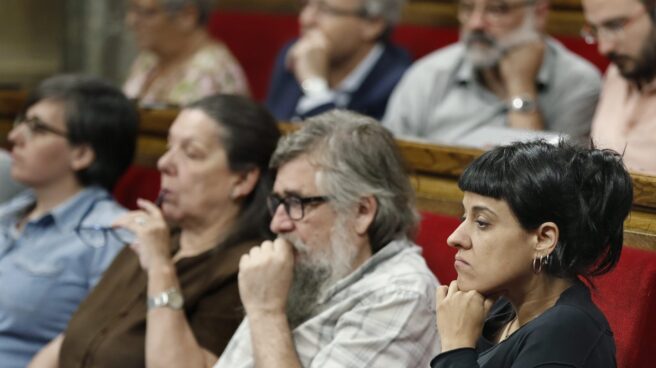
522 103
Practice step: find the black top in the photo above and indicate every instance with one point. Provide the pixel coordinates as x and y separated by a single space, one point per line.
572 333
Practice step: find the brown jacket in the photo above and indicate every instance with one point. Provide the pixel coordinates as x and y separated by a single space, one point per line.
109 328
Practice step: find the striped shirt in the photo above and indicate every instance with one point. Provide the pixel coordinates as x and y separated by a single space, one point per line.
381 315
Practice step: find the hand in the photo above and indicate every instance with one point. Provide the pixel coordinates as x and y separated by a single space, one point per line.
265 276
153 243
520 66
309 57
460 316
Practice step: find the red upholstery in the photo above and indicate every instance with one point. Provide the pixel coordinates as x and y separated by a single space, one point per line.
588 52
627 296
433 232
137 182
255 39
421 40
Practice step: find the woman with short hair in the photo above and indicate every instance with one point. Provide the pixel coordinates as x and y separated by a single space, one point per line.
76 137
539 220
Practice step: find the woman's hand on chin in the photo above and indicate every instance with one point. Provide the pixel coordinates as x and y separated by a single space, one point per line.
152 235
460 316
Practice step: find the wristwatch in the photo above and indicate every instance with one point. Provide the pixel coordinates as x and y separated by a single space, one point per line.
171 298
522 104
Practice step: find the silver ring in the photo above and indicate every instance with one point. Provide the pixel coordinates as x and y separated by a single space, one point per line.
140 221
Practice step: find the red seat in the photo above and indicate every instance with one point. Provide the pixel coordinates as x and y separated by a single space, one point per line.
422 40
627 296
137 182
255 39
433 232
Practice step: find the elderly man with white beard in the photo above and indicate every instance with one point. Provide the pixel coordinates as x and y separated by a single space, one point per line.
342 285
504 78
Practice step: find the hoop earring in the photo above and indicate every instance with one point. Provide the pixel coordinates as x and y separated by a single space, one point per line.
540 262
537 264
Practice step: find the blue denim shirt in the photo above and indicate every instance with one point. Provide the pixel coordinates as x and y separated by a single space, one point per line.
48 269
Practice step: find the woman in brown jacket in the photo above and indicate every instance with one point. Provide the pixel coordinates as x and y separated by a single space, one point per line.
174 300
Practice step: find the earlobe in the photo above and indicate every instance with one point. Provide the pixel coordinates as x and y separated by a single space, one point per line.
82 156
245 183
547 238
367 209
373 29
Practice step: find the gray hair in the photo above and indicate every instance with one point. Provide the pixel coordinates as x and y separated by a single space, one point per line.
390 10
204 7
356 157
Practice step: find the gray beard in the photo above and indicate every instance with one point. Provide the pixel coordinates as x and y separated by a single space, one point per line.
483 58
315 274
308 283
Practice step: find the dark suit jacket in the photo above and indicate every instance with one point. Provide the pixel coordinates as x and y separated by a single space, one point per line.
369 99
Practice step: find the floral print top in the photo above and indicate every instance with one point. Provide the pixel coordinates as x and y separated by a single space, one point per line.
212 69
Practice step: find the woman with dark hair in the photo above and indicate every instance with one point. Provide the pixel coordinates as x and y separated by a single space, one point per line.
538 221
174 300
76 137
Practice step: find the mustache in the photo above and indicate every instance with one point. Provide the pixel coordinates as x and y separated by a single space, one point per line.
479 37
617 58
298 245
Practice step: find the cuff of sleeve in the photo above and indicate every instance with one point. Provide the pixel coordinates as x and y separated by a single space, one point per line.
311 102
463 357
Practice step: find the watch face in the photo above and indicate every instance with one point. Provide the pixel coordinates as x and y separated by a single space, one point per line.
175 300
522 104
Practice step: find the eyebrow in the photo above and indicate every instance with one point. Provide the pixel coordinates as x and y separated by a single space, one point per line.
477 209
287 193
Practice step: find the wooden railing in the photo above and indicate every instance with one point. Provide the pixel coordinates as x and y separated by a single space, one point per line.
435 169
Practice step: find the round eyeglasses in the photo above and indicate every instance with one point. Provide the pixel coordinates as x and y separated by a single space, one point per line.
98 236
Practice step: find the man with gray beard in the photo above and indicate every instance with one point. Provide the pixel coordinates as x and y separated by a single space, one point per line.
342 285
625 32
504 80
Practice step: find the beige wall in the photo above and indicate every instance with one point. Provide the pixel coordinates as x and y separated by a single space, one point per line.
39 38
31 39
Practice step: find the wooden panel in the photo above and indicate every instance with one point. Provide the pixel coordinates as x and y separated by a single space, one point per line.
644 190
10 102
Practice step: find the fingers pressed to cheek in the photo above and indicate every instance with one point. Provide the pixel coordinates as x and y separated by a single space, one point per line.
440 293
453 287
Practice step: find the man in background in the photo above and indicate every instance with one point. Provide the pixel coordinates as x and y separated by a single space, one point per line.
344 58
504 80
625 120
